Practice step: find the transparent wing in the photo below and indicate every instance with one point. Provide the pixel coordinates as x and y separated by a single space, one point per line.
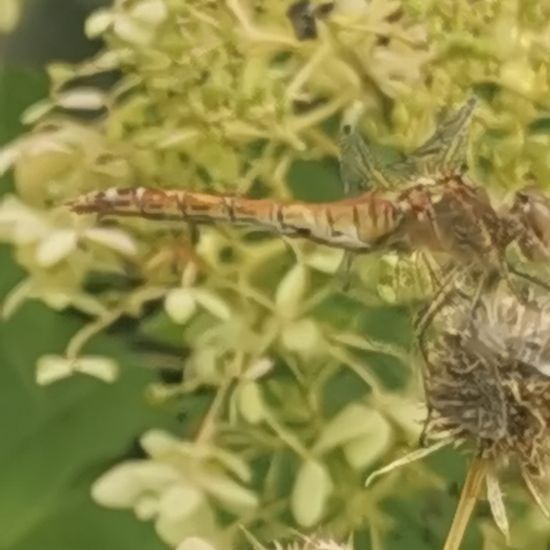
446 149
360 169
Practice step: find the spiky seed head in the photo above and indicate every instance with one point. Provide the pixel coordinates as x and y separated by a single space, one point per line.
489 379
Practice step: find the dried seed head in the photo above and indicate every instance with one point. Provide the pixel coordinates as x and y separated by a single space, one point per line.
489 380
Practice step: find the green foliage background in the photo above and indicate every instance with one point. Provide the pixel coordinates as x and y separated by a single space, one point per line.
59 439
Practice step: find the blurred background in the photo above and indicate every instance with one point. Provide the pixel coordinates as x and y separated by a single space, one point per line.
238 356
57 440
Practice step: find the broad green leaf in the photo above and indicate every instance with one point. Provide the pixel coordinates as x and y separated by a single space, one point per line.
58 440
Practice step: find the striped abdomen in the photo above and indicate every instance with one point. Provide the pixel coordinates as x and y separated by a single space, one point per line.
355 224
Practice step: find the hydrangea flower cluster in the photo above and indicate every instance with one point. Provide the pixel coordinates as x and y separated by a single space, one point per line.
225 97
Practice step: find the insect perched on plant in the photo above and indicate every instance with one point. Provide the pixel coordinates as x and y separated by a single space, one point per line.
406 217
425 202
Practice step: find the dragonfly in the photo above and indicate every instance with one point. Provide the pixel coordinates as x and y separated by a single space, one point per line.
443 153
404 216
375 220
423 202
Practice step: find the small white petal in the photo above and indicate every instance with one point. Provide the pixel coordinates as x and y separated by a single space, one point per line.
98 23
303 336
180 305
8 156
291 290
16 296
195 543
326 260
36 111
152 12
212 303
260 367
9 15
51 368
112 238
88 99
179 502
146 507
310 493
158 442
99 367
55 247
133 31
123 485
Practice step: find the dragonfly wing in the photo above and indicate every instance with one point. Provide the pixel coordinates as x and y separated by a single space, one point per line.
446 149
360 168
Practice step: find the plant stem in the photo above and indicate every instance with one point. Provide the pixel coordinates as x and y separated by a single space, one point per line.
466 504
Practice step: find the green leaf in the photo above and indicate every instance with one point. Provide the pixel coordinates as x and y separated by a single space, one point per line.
58 440
19 88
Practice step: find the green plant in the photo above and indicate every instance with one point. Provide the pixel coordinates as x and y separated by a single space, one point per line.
293 390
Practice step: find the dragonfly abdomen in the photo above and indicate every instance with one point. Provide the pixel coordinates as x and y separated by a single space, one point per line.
356 224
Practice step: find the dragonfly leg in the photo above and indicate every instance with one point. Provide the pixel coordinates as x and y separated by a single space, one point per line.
427 314
528 277
344 271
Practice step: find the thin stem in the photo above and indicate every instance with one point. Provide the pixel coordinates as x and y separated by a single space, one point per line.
468 498
347 359
207 427
78 341
287 436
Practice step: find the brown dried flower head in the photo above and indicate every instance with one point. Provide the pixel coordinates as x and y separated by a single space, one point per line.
488 387
489 380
